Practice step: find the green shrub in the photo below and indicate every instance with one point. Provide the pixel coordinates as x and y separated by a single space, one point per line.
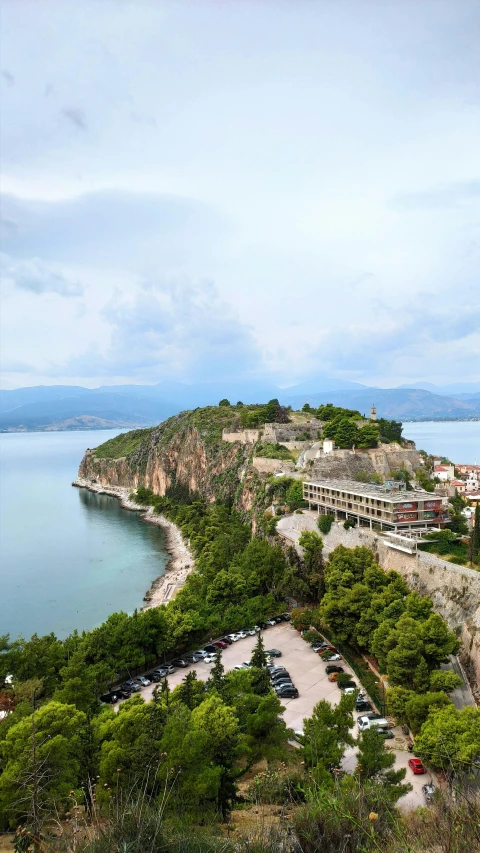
324 523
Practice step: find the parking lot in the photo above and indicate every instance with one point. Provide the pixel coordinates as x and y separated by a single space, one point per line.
308 674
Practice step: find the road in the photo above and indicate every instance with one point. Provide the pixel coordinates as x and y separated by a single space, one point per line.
308 674
462 696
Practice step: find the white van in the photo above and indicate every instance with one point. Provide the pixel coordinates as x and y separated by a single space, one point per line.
365 723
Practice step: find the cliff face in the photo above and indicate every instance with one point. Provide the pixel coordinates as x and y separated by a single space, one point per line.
184 450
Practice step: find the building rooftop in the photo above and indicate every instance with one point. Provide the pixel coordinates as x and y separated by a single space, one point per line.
397 493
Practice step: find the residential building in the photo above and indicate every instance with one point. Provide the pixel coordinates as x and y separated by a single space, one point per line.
444 472
390 506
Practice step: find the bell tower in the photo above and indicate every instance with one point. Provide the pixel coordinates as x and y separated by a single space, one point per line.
373 413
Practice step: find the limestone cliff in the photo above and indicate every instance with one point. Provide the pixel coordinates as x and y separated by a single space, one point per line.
186 450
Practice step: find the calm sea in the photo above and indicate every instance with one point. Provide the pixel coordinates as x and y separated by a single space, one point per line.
458 440
68 558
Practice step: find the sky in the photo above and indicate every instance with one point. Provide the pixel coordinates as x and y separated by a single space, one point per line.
249 189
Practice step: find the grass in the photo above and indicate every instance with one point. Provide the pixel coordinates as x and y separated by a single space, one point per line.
123 444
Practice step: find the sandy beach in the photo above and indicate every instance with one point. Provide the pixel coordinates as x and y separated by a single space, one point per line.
181 561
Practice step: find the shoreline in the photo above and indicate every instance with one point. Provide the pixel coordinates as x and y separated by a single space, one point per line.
180 562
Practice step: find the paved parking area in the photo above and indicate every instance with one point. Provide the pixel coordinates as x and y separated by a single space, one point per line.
308 674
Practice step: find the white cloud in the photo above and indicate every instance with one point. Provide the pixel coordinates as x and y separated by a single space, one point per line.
37 277
318 162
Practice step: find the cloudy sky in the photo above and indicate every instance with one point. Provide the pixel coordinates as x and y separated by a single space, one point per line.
243 188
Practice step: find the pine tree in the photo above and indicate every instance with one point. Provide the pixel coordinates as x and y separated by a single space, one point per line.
217 675
374 762
259 658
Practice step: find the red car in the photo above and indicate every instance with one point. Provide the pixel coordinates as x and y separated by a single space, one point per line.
416 765
220 644
328 651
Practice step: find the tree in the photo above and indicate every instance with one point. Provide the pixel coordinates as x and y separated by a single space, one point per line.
326 736
444 679
374 762
312 545
41 763
418 708
259 658
224 402
325 523
450 739
190 691
217 675
294 495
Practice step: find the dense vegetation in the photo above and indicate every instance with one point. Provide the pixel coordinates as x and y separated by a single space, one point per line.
123 444
158 771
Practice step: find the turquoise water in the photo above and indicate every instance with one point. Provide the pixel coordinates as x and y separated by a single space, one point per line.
68 557
458 440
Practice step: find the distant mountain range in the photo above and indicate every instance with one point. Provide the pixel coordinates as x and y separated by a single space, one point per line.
67 407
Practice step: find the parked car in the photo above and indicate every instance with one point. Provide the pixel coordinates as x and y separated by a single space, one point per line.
334 656
109 698
279 676
386 733
264 625
348 684
299 735
372 716
349 690
179 662
155 677
247 664
327 649
257 628
234 637
287 692
271 622
333 667
170 668
362 705
210 649
273 653
416 765
193 658
279 670
210 659
143 680
132 686
240 666
201 653
285 617
250 631
242 634
428 792
220 644
227 640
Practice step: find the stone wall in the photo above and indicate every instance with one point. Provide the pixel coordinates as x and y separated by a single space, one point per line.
244 436
272 466
290 432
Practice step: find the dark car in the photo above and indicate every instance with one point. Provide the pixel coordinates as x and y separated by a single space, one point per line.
109 698
348 684
362 705
211 649
179 662
374 716
282 683
280 677
278 619
278 672
273 653
220 644
332 667
287 692
286 617
263 625
155 677
227 640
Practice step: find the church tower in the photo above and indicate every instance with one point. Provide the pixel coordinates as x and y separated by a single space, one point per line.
373 413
